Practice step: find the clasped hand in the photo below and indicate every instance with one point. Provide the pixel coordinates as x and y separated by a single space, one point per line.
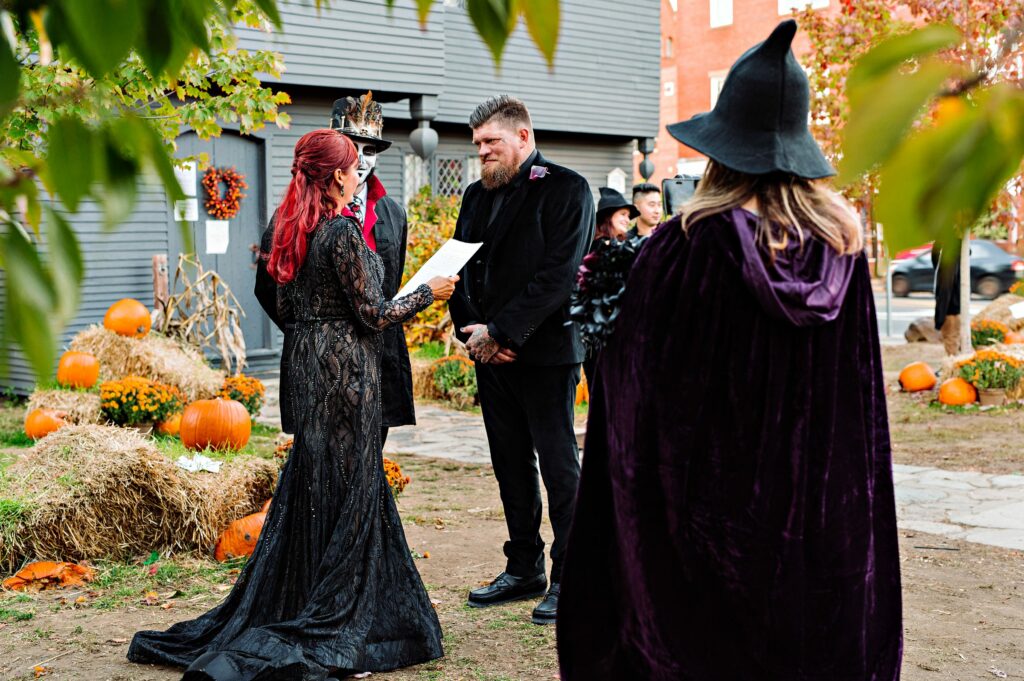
485 349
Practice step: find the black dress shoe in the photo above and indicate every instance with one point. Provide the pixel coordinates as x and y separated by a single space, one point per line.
507 588
547 611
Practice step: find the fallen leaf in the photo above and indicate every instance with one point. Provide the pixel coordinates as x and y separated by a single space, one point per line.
151 598
116 641
81 599
426 554
168 605
153 568
39 670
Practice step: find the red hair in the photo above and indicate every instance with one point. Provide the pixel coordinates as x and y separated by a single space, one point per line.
306 200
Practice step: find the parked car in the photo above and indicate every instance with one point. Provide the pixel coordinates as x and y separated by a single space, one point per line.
911 253
993 271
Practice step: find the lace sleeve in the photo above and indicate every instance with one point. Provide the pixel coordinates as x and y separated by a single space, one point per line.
352 261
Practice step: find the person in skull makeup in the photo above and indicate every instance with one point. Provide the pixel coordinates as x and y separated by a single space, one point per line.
385 229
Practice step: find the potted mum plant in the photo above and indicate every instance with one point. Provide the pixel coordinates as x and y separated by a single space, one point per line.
139 403
992 373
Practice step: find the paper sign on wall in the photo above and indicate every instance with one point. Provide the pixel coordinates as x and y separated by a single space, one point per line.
216 237
187 210
1017 310
187 178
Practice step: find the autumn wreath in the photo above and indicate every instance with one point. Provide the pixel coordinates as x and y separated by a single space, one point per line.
226 207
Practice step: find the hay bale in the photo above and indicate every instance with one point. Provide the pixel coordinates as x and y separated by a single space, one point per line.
154 357
81 407
423 385
106 492
999 310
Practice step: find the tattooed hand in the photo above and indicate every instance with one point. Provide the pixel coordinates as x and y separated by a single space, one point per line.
480 344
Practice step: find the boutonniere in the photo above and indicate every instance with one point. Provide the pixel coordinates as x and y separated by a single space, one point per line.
537 172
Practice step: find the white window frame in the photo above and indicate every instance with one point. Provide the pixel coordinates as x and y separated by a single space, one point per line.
721 12
716 81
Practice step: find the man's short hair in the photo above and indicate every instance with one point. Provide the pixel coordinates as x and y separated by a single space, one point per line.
645 188
505 109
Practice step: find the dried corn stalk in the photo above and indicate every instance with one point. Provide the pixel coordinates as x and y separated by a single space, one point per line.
204 314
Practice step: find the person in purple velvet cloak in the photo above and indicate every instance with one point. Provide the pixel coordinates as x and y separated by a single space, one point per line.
735 518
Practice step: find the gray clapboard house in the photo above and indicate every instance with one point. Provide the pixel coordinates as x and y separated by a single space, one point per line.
589 113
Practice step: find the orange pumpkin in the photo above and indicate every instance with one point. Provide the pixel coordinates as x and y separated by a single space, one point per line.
957 391
917 376
1014 337
217 423
170 426
128 317
582 392
41 422
266 506
78 370
44 574
240 537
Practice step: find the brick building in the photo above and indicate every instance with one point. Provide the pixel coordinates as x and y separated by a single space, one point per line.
700 39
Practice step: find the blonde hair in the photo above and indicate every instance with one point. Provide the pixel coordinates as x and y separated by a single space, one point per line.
789 207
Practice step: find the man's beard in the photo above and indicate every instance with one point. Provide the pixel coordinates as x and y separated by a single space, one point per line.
497 175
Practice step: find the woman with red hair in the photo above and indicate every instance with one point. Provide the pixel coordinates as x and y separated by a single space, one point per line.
330 589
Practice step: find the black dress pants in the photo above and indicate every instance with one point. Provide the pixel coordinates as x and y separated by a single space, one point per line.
528 415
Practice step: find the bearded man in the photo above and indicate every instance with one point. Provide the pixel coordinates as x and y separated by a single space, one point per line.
511 307
385 229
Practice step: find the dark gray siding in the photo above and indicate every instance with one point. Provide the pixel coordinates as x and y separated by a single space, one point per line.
356 44
605 80
118 264
606 75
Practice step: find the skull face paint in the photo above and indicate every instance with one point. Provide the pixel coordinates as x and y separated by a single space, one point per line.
367 160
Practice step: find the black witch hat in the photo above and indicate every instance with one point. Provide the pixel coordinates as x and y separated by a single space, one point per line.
759 123
360 119
611 201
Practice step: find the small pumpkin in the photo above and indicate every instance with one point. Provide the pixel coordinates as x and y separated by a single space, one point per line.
78 370
170 426
240 538
216 423
1014 337
41 422
582 392
957 392
128 317
917 376
45 574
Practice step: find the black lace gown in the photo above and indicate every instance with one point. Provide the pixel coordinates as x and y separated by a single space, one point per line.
331 587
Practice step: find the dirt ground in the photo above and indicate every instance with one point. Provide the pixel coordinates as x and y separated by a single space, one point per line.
963 603
923 434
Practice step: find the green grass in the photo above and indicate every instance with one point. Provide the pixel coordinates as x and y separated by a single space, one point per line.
259 445
15 438
430 350
9 615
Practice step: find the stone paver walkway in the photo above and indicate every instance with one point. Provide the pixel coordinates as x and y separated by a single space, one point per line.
977 507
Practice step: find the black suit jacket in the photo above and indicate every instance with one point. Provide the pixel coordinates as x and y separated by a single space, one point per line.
520 285
391 232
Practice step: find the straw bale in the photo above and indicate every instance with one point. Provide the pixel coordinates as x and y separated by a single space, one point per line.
107 492
80 406
999 310
423 385
155 357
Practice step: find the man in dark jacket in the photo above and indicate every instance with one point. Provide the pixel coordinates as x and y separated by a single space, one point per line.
511 306
386 231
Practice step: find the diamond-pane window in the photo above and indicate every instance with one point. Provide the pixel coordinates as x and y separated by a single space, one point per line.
415 176
450 176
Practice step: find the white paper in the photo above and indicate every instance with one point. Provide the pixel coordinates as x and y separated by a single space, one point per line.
197 463
187 178
1017 310
187 210
446 262
216 237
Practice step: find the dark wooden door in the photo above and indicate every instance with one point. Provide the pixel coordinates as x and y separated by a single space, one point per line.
237 266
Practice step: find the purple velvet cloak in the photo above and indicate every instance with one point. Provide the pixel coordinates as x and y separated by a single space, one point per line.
735 517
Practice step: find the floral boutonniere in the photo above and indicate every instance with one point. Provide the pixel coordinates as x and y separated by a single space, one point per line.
537 172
